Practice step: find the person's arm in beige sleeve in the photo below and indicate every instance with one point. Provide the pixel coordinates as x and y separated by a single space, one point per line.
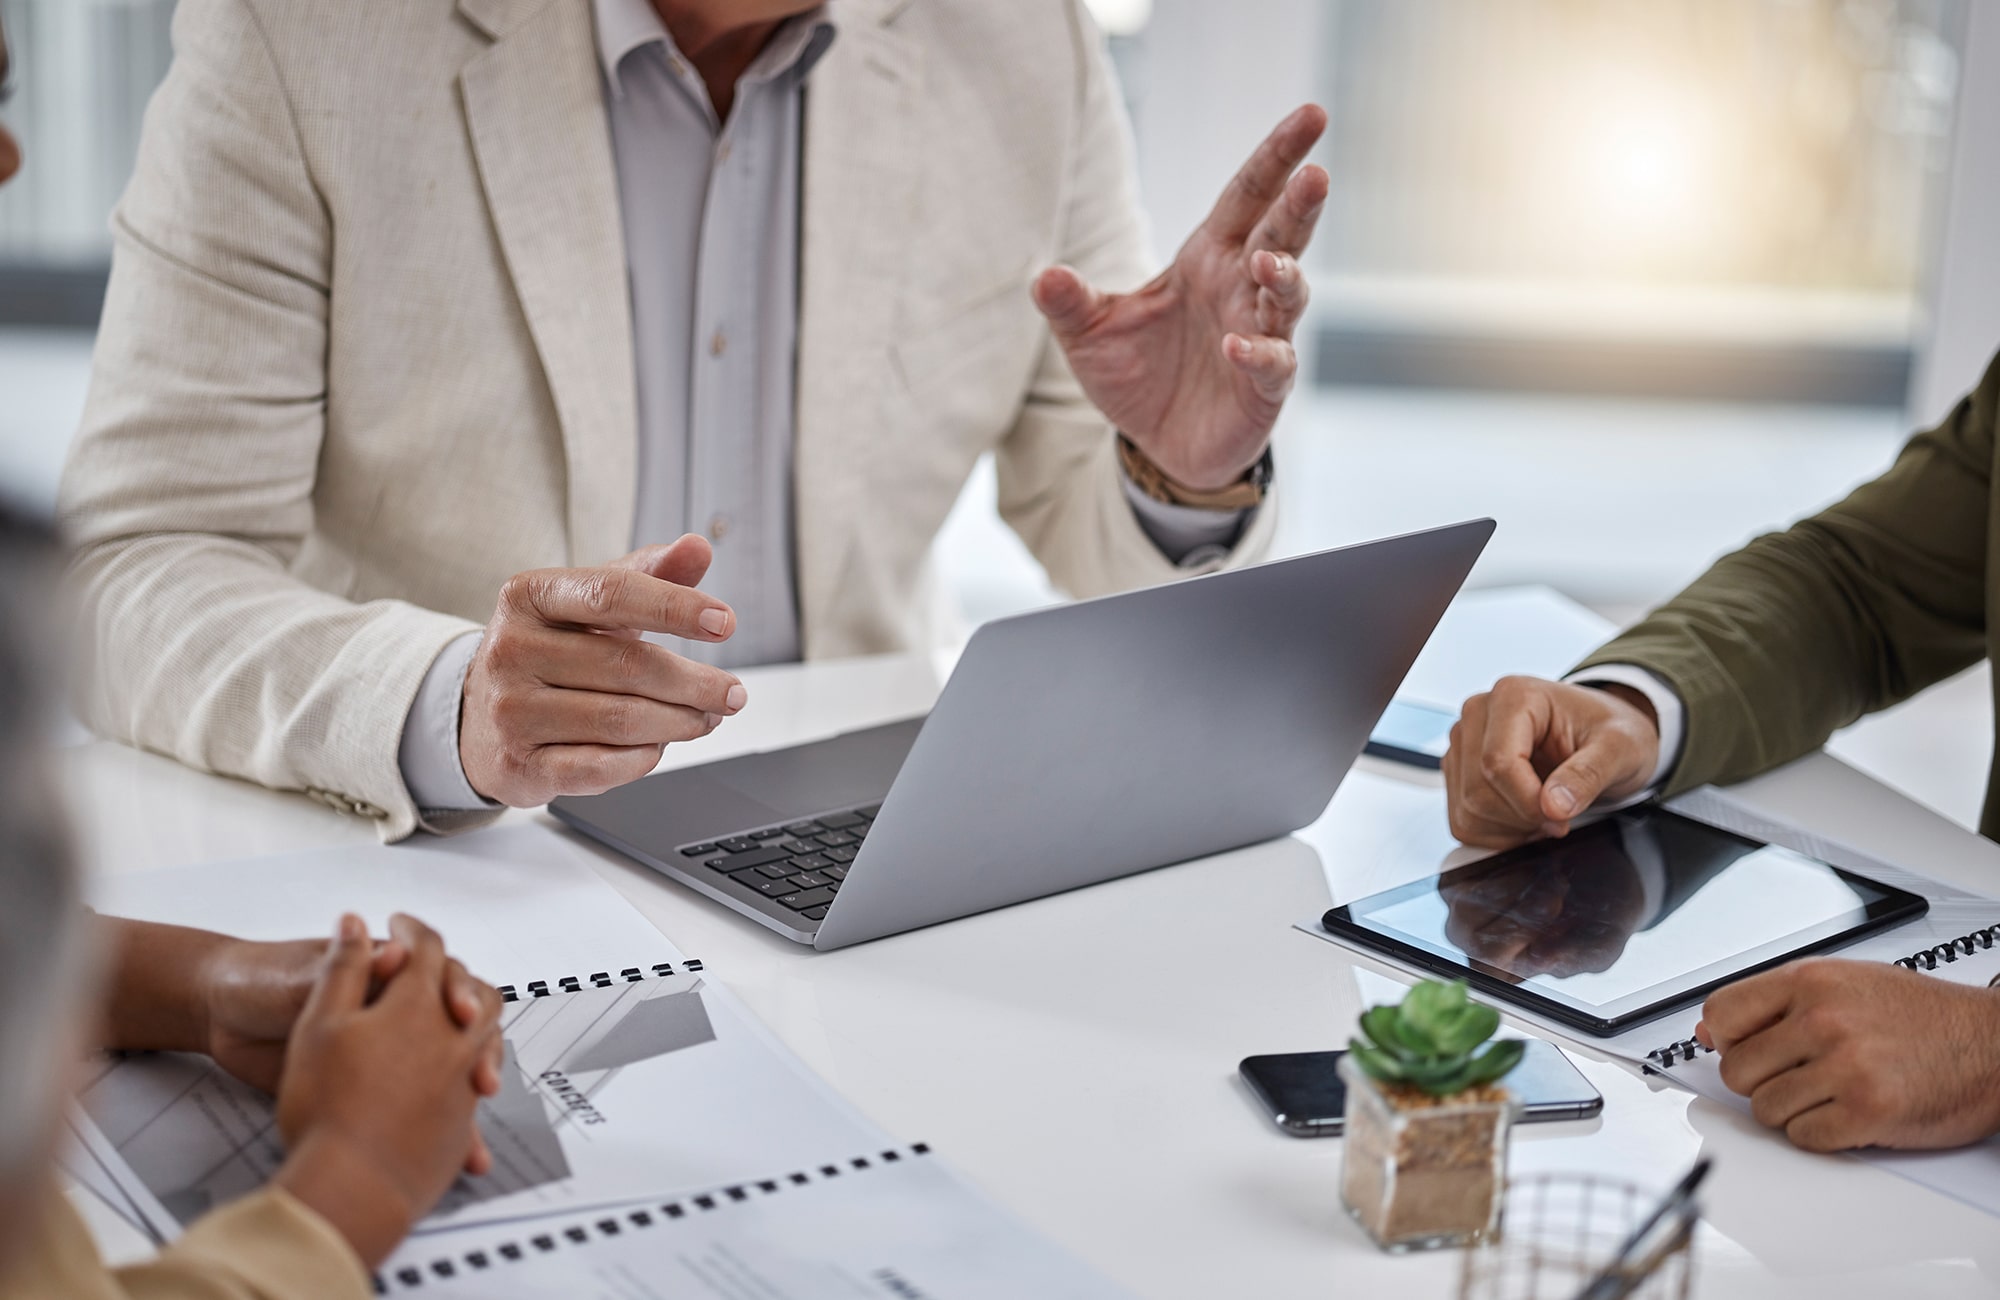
188 494
1061 485
1852 610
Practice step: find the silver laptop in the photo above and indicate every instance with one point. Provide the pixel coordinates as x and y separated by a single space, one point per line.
1072 745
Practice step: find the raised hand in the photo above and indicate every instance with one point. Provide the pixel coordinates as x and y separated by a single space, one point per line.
1195 366
377 1099
564 698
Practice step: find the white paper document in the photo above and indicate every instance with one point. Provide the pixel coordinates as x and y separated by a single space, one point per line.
893 1225
608 1095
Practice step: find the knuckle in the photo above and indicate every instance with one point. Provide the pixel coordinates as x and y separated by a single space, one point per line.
618 720
597 591
517 593
629 663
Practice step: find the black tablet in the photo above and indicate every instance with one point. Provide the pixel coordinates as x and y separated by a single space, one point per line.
1623 920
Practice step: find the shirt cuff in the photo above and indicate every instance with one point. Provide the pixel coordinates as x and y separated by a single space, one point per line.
1667 708
1187 535
429 751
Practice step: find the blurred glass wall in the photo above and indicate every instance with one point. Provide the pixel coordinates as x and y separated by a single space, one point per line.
85 69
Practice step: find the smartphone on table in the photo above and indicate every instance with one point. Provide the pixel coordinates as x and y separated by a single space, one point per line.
1412 733
1305 1097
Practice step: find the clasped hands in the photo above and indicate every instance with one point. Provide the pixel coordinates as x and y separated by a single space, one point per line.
563 697
1838 1054
378 1054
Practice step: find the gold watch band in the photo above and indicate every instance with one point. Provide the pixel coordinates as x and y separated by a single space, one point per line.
1149 478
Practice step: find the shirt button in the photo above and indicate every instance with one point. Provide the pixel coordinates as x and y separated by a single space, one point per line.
719 344
718 528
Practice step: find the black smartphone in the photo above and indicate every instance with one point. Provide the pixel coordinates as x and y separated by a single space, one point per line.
1305 1096
1416 734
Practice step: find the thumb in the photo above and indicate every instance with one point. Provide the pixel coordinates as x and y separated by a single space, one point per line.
343 981
1069 303
683 561
1584 776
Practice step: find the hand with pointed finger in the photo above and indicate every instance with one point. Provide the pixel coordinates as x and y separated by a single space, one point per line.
1195 366
1529 756
1843 1054
563 697
377 1098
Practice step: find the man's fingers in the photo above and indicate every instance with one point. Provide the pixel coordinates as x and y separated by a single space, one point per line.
1585 775
1789 1093
1067 300
1737 1011
1250 194
564 717
1752 1063
1282 292
618 666
1517 718
1270 364
1830 1126
1288 226
683 561
590 769
343 980
618 599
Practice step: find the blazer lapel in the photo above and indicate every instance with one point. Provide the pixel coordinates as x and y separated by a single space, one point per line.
859 190
535 108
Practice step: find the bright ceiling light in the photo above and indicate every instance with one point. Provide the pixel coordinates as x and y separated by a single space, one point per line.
1122 17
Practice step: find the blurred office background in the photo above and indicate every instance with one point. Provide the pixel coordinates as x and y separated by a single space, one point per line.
1638 278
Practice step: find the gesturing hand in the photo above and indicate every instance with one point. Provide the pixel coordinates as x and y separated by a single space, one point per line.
564 698
1195 366
1530 755
377 1099
1844 1054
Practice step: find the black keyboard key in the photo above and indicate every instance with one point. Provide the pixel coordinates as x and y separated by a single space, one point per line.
777 888
737 844
771 871
868 812
803 829
756 857
811 898
697 850
809 880
771 834
815 914
845 853
811 861
835 873
840 821
837 839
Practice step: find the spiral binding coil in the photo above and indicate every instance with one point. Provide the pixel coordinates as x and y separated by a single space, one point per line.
1965 945
447 1268
598 980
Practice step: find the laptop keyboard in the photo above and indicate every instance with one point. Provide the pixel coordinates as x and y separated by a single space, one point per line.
798 865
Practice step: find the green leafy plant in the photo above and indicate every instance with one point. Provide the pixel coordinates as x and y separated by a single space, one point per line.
1428 1042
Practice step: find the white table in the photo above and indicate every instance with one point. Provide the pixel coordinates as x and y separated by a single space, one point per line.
1076 1056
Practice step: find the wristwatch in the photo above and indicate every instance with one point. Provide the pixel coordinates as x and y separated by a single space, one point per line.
1149 478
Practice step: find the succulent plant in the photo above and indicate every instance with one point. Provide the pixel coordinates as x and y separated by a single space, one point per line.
1428 1042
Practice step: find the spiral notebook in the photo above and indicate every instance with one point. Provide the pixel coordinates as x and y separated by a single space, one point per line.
887 1222
636 1095
1971 1174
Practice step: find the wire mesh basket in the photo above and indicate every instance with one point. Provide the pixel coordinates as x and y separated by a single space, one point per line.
1557 1233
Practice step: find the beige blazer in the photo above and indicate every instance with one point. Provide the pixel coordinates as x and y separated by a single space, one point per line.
266 1246
367 352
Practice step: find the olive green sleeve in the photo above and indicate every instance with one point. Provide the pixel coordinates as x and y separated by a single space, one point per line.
1854 609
